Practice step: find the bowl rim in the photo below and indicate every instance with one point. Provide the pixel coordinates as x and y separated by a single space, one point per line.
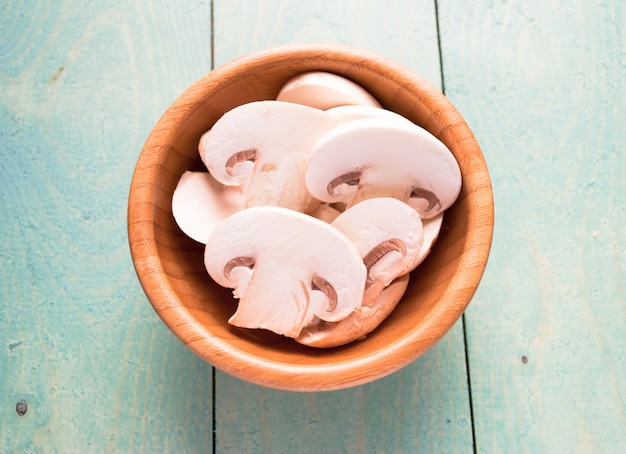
276 374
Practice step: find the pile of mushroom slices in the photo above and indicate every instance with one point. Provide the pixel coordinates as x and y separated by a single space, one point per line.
315 208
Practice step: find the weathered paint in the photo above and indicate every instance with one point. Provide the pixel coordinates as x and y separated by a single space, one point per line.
541 83
80 89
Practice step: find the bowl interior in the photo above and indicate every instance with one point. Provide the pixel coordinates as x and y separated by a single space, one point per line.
170 265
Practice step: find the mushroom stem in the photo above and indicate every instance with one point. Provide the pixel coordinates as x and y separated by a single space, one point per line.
279 185
387 188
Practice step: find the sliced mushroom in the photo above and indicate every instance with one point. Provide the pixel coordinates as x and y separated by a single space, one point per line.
388 234
286 267
431 229
200 203
263 147
381 157
324 90
344 114
358 325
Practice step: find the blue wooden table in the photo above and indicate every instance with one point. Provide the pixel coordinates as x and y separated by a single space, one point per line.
536 365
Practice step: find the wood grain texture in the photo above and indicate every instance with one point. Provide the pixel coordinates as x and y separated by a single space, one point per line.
80 88
424 406
416 407
542 85
403 30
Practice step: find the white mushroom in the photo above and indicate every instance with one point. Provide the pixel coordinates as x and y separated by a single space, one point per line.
354 112
287 269
431 229
358 325
380 157
263 147
200 203
324 90
388 234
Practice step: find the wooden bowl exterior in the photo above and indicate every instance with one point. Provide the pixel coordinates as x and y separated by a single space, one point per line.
170 265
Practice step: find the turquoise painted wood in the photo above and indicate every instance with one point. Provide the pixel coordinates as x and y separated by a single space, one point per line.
80 89
542 85
404 30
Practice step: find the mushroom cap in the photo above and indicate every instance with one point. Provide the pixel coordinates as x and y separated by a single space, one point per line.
263 146
199 203
376 157
324 90
286 267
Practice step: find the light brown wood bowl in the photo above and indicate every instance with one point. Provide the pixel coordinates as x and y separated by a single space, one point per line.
170 265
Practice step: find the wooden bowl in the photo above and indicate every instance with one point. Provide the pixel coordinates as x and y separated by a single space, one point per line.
170 265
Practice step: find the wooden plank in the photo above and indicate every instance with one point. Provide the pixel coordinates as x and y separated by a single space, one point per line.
401 30
424 406
80 89
542 84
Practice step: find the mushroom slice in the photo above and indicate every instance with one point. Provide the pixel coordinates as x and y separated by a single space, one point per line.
357 325
381 157
432 227
200 203
294 269
324 90
388 235
344 114
263 147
